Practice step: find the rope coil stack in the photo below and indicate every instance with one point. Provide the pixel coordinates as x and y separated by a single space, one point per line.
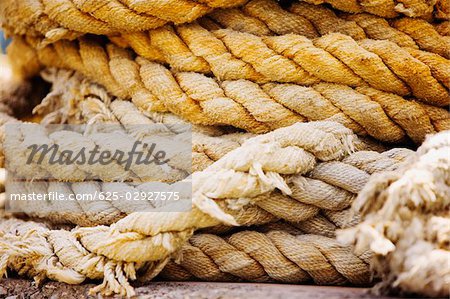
288 103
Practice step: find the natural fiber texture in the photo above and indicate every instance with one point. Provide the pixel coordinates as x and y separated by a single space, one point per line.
443 28
246 172
186 48
331 264
267 17
390 8
55 19
406 222
243 104
287 256
71 93
249 68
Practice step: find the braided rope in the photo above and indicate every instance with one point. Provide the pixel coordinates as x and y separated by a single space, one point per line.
275 255
387 8
406 222
266 17
203 100
70 18
207 150
152 236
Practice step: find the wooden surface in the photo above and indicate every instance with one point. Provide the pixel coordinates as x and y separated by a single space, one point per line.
20 288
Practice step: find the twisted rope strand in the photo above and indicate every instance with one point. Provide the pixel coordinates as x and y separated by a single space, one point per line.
384 8
406 32
203 100
272 256
70 18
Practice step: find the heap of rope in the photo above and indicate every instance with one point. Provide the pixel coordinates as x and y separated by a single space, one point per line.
95 105
246 172
406 222
328 259
256 107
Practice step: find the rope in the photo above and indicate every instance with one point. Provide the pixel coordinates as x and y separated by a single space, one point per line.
443 28
57 255
202 100
152 236
388 8
273 256
71 18
183 48
266 17
302 212
406 222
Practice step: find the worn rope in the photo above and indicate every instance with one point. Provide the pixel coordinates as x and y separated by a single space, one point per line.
70 18
272 256
391 8
406 222
267 17
43 262
202 100
153 236
206 150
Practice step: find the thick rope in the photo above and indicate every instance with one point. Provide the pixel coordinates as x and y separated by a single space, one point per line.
32 249
390 8
174 45
70 18
184 48
206 150
443 28
70 270
202 100
168 230
115 252
266 17
273 256
406 222
330 186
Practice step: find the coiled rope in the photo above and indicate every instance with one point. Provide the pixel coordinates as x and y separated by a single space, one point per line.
70 18
202 100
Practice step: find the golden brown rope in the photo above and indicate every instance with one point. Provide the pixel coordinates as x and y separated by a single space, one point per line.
203 100
388 8
275 255
266 17
68 18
